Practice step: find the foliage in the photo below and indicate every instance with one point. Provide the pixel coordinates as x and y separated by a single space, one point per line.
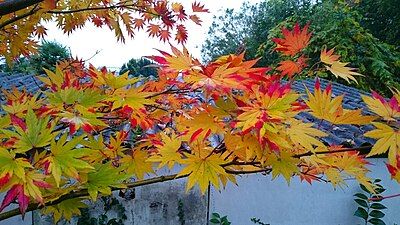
181 212
49 53
21 26
369 206
139 67
91 131
248 28
382 19
217 219
109 204
335 24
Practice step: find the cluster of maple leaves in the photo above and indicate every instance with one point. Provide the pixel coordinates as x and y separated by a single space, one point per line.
20 30
92 129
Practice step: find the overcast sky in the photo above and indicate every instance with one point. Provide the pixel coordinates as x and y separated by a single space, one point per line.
84 43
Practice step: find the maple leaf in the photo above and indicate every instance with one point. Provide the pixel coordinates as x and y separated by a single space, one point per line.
294 41
132 97
197 7
283 164
168 152
272 103
394 168
11 166
323 107
181 34
22 189
196 19
328 57
37 134
109 79
137 164
388 110
246 147
180 60
202 169
387 139
138 23
66 209
289 68
218 77
305 135
200 125
102 179
65 159
339 69
153 30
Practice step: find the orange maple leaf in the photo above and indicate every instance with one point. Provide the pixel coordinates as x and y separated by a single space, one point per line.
328 57
294 41
289 68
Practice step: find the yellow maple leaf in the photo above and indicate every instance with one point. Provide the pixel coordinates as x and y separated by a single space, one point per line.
339 69
246 147
132 97
323 107
305 135
283 164
203 168
200 125
137 164
167 153
383 108
387 139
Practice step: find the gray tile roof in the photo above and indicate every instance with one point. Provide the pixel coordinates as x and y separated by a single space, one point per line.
349 135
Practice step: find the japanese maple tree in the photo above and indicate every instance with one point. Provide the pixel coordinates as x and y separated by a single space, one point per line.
90 131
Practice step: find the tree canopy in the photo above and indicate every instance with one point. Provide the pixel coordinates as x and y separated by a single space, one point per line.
139 67
89 131
336 24
48 55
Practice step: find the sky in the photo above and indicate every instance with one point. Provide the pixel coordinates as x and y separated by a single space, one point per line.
86 42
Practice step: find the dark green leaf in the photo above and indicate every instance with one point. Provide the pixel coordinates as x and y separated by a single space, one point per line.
361 202
214 220
376 214
362 196
376 221
377 206
362 213
380 190
215 215
364 188
377 180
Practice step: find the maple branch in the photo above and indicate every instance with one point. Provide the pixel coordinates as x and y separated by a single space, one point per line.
11 6
20 17
310 153
130 6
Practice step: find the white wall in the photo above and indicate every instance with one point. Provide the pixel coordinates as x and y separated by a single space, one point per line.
277 203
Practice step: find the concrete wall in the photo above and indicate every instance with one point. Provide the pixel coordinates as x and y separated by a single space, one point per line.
276 203
155 204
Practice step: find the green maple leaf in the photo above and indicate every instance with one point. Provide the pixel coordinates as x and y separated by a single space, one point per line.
66 209
103 178
37 133
65 158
